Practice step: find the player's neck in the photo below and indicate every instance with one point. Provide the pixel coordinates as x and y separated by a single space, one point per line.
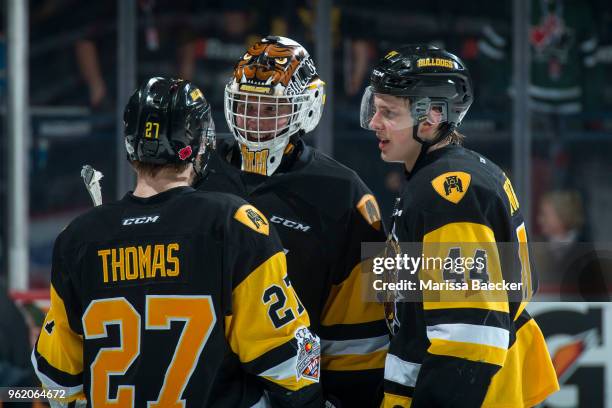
410 161
148 186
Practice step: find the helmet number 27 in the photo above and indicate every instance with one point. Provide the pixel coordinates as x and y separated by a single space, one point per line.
152 130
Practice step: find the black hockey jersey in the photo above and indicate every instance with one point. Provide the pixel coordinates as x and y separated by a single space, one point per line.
461 348
322 211
179 299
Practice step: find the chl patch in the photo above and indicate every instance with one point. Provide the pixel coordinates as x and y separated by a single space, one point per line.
368 207
452 186
252 218
309 355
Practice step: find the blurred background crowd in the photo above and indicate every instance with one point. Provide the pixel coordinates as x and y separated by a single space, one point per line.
73 83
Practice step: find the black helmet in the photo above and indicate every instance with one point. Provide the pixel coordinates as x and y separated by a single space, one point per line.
429 76
168 121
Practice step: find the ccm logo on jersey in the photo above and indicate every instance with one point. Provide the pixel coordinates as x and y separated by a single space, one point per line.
289 224
145 219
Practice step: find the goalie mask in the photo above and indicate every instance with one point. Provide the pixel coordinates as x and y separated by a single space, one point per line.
435 82
169 121
274 94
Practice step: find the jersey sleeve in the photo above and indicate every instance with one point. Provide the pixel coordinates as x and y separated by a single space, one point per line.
354 335
470 331
268 328
58 354
468 338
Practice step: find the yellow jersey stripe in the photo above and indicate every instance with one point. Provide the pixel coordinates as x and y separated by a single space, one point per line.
461 232
528 356
347 303
58 344
471 239
394 401
468 351
250 330
354 362
496 306
290 383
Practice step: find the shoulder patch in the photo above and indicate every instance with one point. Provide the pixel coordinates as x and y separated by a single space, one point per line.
252 218
368 207
452 186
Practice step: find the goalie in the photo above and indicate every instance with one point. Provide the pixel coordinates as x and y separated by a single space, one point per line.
322 209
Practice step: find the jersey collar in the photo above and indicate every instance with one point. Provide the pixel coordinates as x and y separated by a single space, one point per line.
158 198
430 158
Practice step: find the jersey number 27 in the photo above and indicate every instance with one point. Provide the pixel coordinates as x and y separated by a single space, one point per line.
196 311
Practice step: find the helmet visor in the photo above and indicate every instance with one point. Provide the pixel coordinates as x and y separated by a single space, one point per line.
390 112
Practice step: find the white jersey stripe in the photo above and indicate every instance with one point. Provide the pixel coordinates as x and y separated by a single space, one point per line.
470 333
49 383
286 369
400 371
354 346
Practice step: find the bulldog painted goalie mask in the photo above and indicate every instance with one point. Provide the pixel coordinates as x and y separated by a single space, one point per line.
274 94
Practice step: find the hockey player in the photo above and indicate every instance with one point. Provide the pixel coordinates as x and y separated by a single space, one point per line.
322 210
167 298
461 353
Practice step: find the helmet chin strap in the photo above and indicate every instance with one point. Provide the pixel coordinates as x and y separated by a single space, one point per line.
199 169
292 150
200 164
426 144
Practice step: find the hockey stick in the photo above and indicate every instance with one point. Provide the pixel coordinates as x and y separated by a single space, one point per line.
91 178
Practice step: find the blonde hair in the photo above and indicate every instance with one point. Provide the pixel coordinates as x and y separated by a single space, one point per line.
453 137
569 207
456 138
